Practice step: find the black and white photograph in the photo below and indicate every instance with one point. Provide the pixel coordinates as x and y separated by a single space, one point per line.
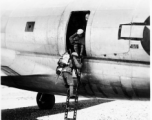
75 60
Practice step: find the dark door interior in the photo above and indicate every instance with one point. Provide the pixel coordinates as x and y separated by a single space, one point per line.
77 20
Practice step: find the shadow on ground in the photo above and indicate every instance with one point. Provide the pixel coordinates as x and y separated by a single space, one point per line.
33 112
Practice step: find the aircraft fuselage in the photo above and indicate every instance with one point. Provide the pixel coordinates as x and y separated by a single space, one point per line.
117 60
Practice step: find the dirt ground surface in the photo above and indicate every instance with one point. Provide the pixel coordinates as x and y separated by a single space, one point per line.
21 105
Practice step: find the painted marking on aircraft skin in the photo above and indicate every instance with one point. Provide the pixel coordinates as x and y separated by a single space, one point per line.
134 46
101 91
91 88
135 90
87 89
126 93
146 40
114 89
84 86
146 36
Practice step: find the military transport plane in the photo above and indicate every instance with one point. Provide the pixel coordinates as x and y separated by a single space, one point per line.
116 62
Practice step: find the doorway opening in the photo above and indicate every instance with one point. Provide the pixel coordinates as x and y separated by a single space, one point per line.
77 20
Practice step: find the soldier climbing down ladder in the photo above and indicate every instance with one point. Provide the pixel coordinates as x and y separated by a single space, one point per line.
66 64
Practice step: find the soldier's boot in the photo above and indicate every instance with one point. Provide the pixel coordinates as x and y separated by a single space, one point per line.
72 94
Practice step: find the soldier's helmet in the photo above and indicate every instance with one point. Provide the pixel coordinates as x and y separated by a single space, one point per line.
79 31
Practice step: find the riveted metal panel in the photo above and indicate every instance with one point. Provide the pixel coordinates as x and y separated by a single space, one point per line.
104 32
43 39
142 11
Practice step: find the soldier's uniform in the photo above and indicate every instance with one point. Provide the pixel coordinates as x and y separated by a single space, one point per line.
78 41
65 68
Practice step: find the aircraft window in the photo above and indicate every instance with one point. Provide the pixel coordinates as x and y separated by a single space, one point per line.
29 26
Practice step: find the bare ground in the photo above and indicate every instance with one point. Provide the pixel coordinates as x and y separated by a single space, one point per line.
21 105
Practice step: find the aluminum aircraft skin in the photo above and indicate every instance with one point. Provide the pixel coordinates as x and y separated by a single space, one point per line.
117 45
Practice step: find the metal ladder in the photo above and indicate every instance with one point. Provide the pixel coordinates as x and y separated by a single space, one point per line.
73 107
70 107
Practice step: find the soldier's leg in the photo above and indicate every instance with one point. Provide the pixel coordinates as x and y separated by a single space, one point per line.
65 80
70 82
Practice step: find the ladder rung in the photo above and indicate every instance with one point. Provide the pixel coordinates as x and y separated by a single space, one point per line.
70 108
74 97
